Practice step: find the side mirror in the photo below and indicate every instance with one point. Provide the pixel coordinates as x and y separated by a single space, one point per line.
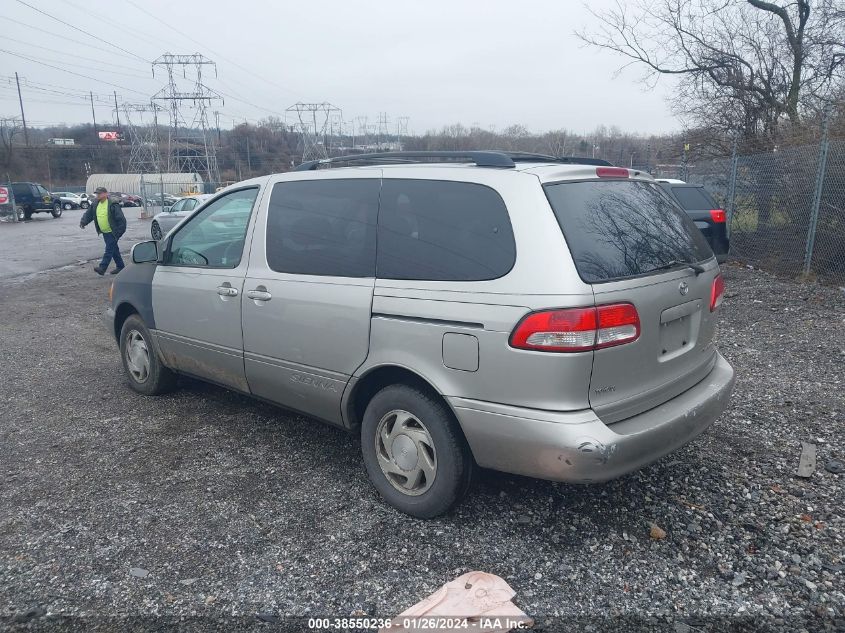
144 252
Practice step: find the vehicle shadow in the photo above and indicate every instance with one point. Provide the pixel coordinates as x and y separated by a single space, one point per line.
566 513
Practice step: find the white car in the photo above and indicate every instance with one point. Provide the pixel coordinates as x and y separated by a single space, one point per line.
167 219
71 200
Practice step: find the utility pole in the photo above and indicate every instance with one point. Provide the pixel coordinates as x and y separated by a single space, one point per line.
94 116
117 111
248 159
23 117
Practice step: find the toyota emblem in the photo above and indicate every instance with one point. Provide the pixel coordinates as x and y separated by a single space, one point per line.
683 288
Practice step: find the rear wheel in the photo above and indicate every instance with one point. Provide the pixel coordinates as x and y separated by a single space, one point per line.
414 451
144 369
84 205
27 214
155 231
68 206
57 210
20 213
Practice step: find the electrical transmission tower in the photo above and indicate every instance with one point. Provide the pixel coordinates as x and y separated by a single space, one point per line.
401 130
142 124
190 145
383 130
313 123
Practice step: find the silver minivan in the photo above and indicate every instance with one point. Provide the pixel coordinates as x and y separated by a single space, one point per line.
525 314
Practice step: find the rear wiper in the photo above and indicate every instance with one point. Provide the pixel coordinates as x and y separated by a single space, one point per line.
674 263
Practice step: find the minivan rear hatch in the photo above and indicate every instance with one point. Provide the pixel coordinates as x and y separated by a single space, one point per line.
632 244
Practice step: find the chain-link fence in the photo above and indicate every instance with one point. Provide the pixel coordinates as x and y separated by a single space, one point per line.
786 209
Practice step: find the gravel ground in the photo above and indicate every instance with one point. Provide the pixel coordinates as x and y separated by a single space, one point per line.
203 508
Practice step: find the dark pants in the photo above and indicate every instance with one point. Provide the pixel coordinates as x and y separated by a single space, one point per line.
112 252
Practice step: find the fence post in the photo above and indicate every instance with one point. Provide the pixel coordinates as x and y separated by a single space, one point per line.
732 186
817 197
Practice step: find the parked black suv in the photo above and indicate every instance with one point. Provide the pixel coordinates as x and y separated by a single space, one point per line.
32 198
703 210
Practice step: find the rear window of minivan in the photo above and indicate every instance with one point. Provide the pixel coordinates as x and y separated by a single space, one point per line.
617 229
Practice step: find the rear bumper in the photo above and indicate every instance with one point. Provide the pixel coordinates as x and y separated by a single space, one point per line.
577 446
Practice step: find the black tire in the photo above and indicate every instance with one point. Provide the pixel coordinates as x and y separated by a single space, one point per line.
84 205
159 379
68 206
27 214
57 210
454 463
20 213
155 231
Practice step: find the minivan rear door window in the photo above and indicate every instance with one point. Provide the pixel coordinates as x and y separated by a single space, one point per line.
439 230
618 229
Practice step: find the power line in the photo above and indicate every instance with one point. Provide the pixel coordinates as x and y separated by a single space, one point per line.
60 21
70 72
263 78
65 53
64 36
101 70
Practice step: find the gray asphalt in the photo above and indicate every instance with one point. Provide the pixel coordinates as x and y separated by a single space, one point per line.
45 242
206 510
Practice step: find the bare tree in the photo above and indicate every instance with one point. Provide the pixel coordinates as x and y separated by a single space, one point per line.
749 63
10 127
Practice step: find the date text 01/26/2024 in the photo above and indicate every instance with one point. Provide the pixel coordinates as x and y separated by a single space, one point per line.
421 623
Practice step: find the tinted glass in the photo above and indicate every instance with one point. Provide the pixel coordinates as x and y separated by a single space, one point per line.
214 238
617 229
323 227
443 231
693 198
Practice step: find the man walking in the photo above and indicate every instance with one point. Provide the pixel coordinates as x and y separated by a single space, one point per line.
111 224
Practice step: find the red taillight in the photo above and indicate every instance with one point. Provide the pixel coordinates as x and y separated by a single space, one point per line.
577 329
612 172
716 292
718 215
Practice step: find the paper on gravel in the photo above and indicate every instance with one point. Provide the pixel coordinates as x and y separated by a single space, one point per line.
807 460
477 601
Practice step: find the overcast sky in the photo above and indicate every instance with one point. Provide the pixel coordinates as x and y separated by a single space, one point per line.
492 63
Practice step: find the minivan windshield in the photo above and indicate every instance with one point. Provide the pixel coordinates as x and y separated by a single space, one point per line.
617 229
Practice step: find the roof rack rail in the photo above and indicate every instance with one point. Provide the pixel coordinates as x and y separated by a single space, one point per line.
480 158
531 157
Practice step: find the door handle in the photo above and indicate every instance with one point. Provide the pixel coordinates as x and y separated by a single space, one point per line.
227 291
259 295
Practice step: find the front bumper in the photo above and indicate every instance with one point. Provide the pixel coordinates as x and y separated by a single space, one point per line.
577 446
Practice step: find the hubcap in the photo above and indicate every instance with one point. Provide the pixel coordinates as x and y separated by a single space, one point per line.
405 452
137 356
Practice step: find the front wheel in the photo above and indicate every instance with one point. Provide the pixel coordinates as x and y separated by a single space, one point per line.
68 206
84 205
155 231
57 210
414 451
144 369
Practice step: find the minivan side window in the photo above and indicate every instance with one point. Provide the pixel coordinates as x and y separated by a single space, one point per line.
214 238
323 227
443 231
